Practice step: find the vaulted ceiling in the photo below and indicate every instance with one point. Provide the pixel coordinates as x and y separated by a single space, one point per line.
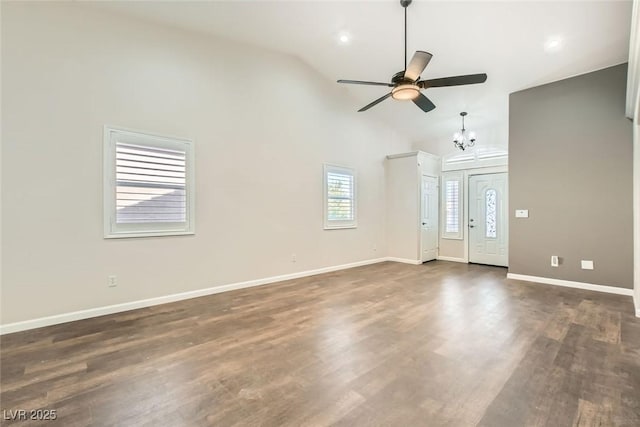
508 40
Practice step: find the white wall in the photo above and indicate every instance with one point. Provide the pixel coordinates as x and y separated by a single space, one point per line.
403 208
263 123
636 204
633 112
1 185
633 74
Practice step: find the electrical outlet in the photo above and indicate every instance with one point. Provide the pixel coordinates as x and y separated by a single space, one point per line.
554 261
293 258
112 281
586 264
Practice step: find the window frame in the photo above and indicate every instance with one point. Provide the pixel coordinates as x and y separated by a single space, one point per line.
459 178
339 224
112 230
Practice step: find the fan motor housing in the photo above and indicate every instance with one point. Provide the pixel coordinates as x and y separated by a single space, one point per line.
398 78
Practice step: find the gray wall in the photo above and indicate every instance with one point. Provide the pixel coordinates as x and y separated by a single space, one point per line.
570 164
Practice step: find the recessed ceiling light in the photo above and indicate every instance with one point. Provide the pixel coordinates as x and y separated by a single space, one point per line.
344 38
553 44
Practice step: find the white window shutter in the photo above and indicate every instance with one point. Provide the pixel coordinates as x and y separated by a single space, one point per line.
148 185
452 202
339 197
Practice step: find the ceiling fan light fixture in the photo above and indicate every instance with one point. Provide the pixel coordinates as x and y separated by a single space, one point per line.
405 92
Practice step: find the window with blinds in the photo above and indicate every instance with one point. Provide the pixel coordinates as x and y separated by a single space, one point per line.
148 187
340 197
452 203
452 206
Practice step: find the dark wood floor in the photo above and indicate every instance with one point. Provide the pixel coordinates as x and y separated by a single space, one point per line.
442 344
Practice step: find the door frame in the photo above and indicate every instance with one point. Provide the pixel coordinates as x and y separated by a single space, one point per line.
465 196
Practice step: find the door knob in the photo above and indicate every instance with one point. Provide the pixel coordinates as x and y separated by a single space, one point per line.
471 226
424 223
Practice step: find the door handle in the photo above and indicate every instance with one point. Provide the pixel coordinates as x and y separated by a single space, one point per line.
424 223
471 226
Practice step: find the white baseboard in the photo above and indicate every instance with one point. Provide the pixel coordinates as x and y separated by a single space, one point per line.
636 303
117 308
570 284
404 260
451 258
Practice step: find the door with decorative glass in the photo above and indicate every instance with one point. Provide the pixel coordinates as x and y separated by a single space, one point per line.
488 220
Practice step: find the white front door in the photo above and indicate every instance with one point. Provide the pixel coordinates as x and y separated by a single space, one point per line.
429 218
488 220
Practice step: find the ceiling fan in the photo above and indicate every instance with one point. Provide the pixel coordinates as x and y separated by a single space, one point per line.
406 84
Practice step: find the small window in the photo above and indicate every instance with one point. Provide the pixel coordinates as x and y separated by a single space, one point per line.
452 205
148 185
339 197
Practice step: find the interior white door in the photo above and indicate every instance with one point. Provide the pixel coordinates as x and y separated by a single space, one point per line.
488 220
429 218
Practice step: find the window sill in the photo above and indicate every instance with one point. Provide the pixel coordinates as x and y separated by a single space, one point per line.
149 234
339 227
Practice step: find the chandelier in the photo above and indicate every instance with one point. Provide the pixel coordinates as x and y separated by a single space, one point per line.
464 139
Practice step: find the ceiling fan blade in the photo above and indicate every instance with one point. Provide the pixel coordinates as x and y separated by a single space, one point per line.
424 103
359 82
376 102
417 65
469 79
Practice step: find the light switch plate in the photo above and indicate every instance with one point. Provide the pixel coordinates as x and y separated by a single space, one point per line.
522 213
586 264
